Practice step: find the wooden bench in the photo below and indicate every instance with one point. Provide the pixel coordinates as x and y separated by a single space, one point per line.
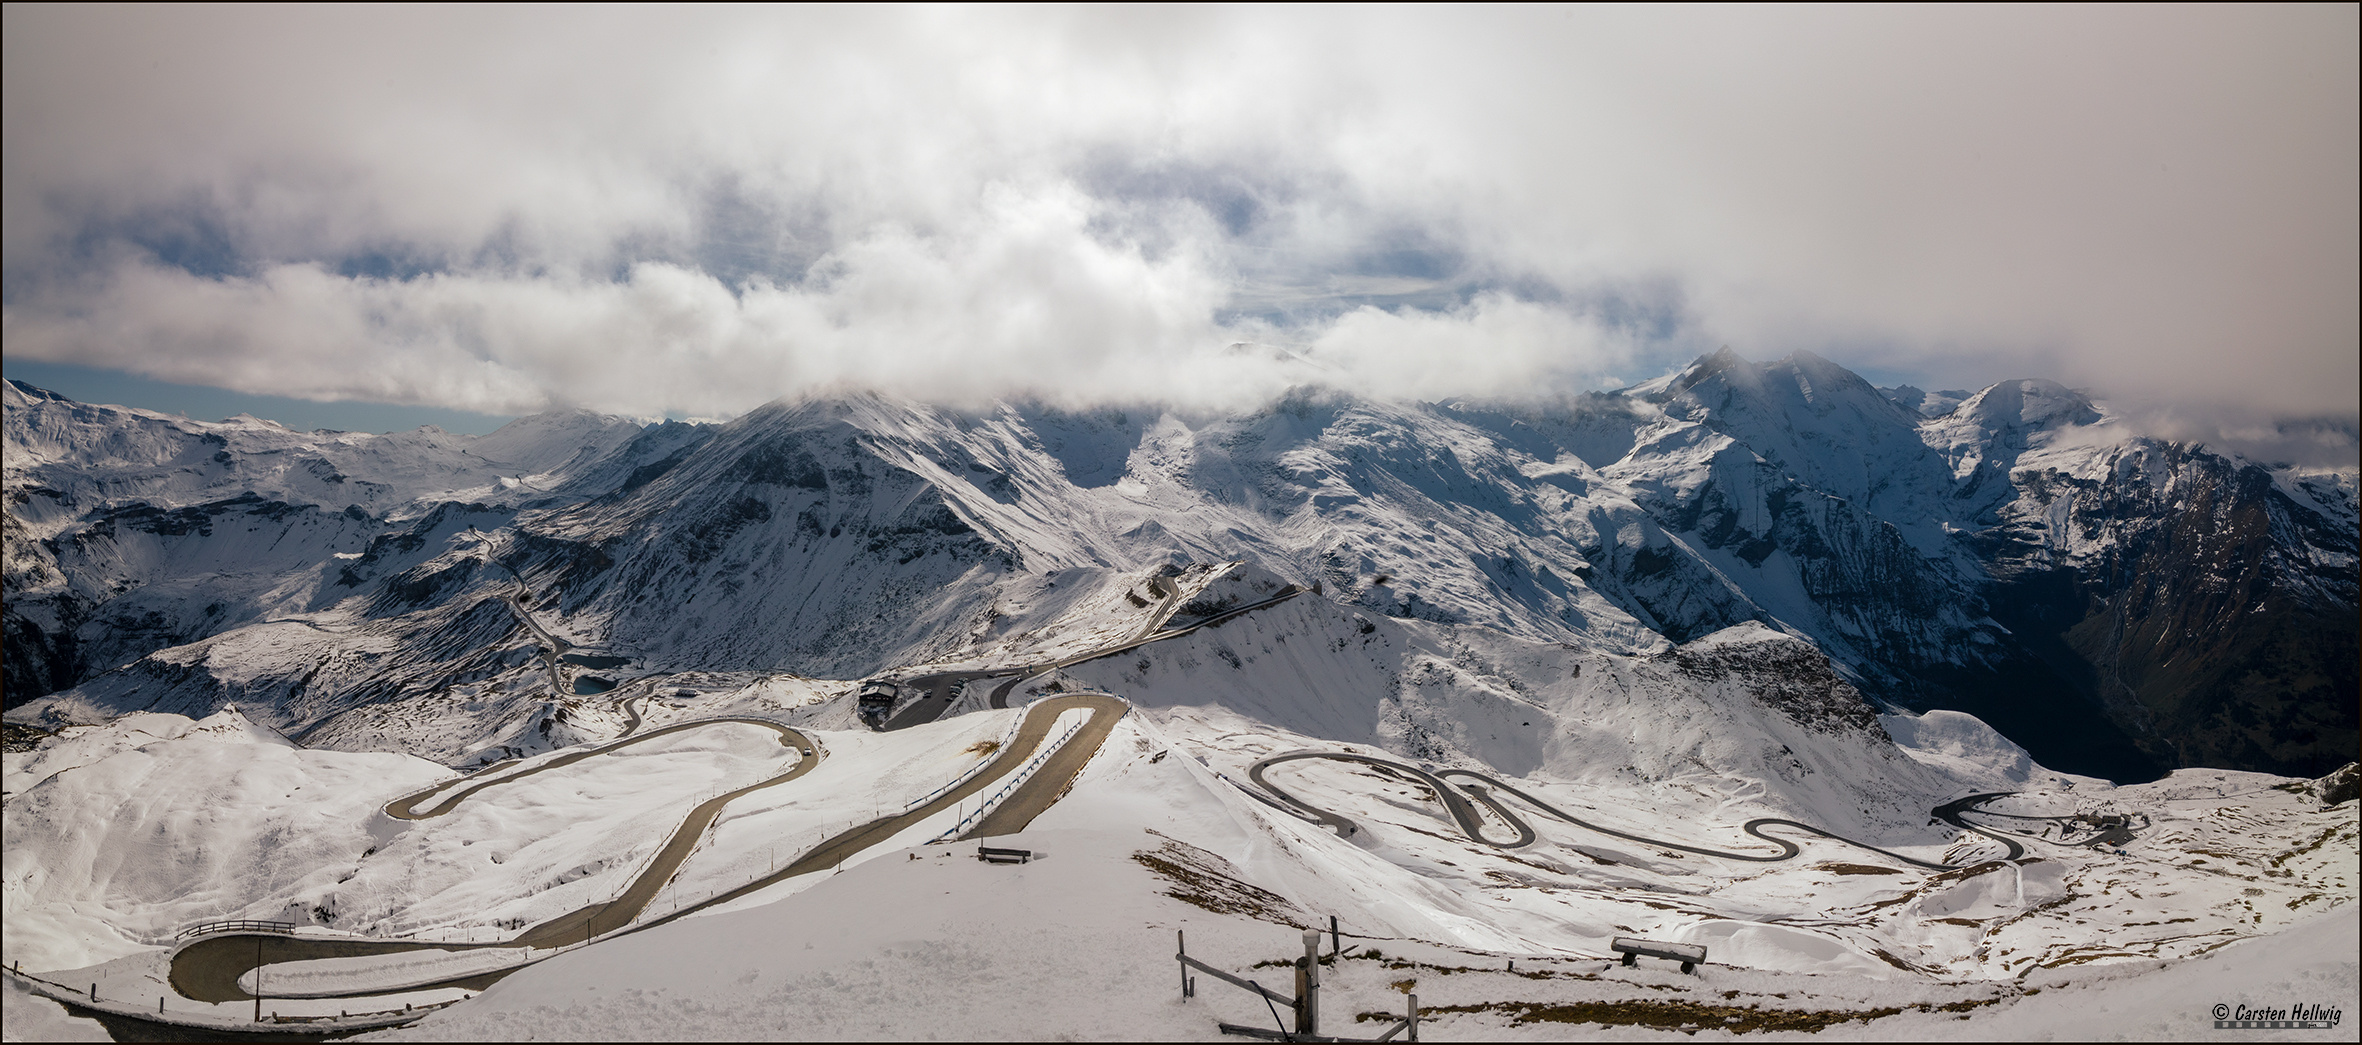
1690 955
991 855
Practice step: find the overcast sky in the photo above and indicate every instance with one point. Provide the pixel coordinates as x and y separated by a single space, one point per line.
690 212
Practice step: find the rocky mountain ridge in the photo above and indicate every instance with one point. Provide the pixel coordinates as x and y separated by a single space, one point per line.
2116 603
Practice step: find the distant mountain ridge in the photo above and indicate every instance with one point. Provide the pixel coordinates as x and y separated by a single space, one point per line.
2118 604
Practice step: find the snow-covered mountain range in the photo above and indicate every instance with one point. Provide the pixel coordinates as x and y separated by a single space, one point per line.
2118 604
1700 603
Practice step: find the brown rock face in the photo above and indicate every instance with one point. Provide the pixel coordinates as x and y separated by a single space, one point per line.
2219 630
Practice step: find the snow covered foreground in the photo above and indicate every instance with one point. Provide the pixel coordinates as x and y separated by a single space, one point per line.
2247 874
1068 952
932 944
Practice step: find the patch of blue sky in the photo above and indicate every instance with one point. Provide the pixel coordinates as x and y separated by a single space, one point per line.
116 388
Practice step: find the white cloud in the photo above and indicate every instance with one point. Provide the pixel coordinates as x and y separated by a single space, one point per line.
1498 346
2158 202
1022 299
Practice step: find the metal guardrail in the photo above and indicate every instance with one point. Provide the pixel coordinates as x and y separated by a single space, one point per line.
344 1017
1006 735
237 925
1021 776
90 999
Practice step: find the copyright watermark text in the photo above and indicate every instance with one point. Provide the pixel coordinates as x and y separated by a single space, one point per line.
2294 1017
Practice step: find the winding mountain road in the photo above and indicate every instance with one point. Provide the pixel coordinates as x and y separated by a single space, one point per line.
208 969
406 807
1464 814
1148 634
1454 802
1950 812
942 687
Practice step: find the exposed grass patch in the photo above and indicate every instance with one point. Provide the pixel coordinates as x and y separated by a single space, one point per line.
1664 1015
1972 871
1882 954
1679 1014
2316 843
1447 970
2081 957
1202 879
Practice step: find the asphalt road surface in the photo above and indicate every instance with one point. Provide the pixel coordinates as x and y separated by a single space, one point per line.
208 969
1000 693
1454 802
1043 789
1464 814
1027 802
406 807
942 688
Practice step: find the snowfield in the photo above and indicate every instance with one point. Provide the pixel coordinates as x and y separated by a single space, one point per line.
2245 875
224 819
932 944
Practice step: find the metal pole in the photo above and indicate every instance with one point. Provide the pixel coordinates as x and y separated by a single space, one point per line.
1336 945
258 979
1310 1020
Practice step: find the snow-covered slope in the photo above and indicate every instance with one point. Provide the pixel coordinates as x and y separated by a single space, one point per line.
129 531
219 818
1153 838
